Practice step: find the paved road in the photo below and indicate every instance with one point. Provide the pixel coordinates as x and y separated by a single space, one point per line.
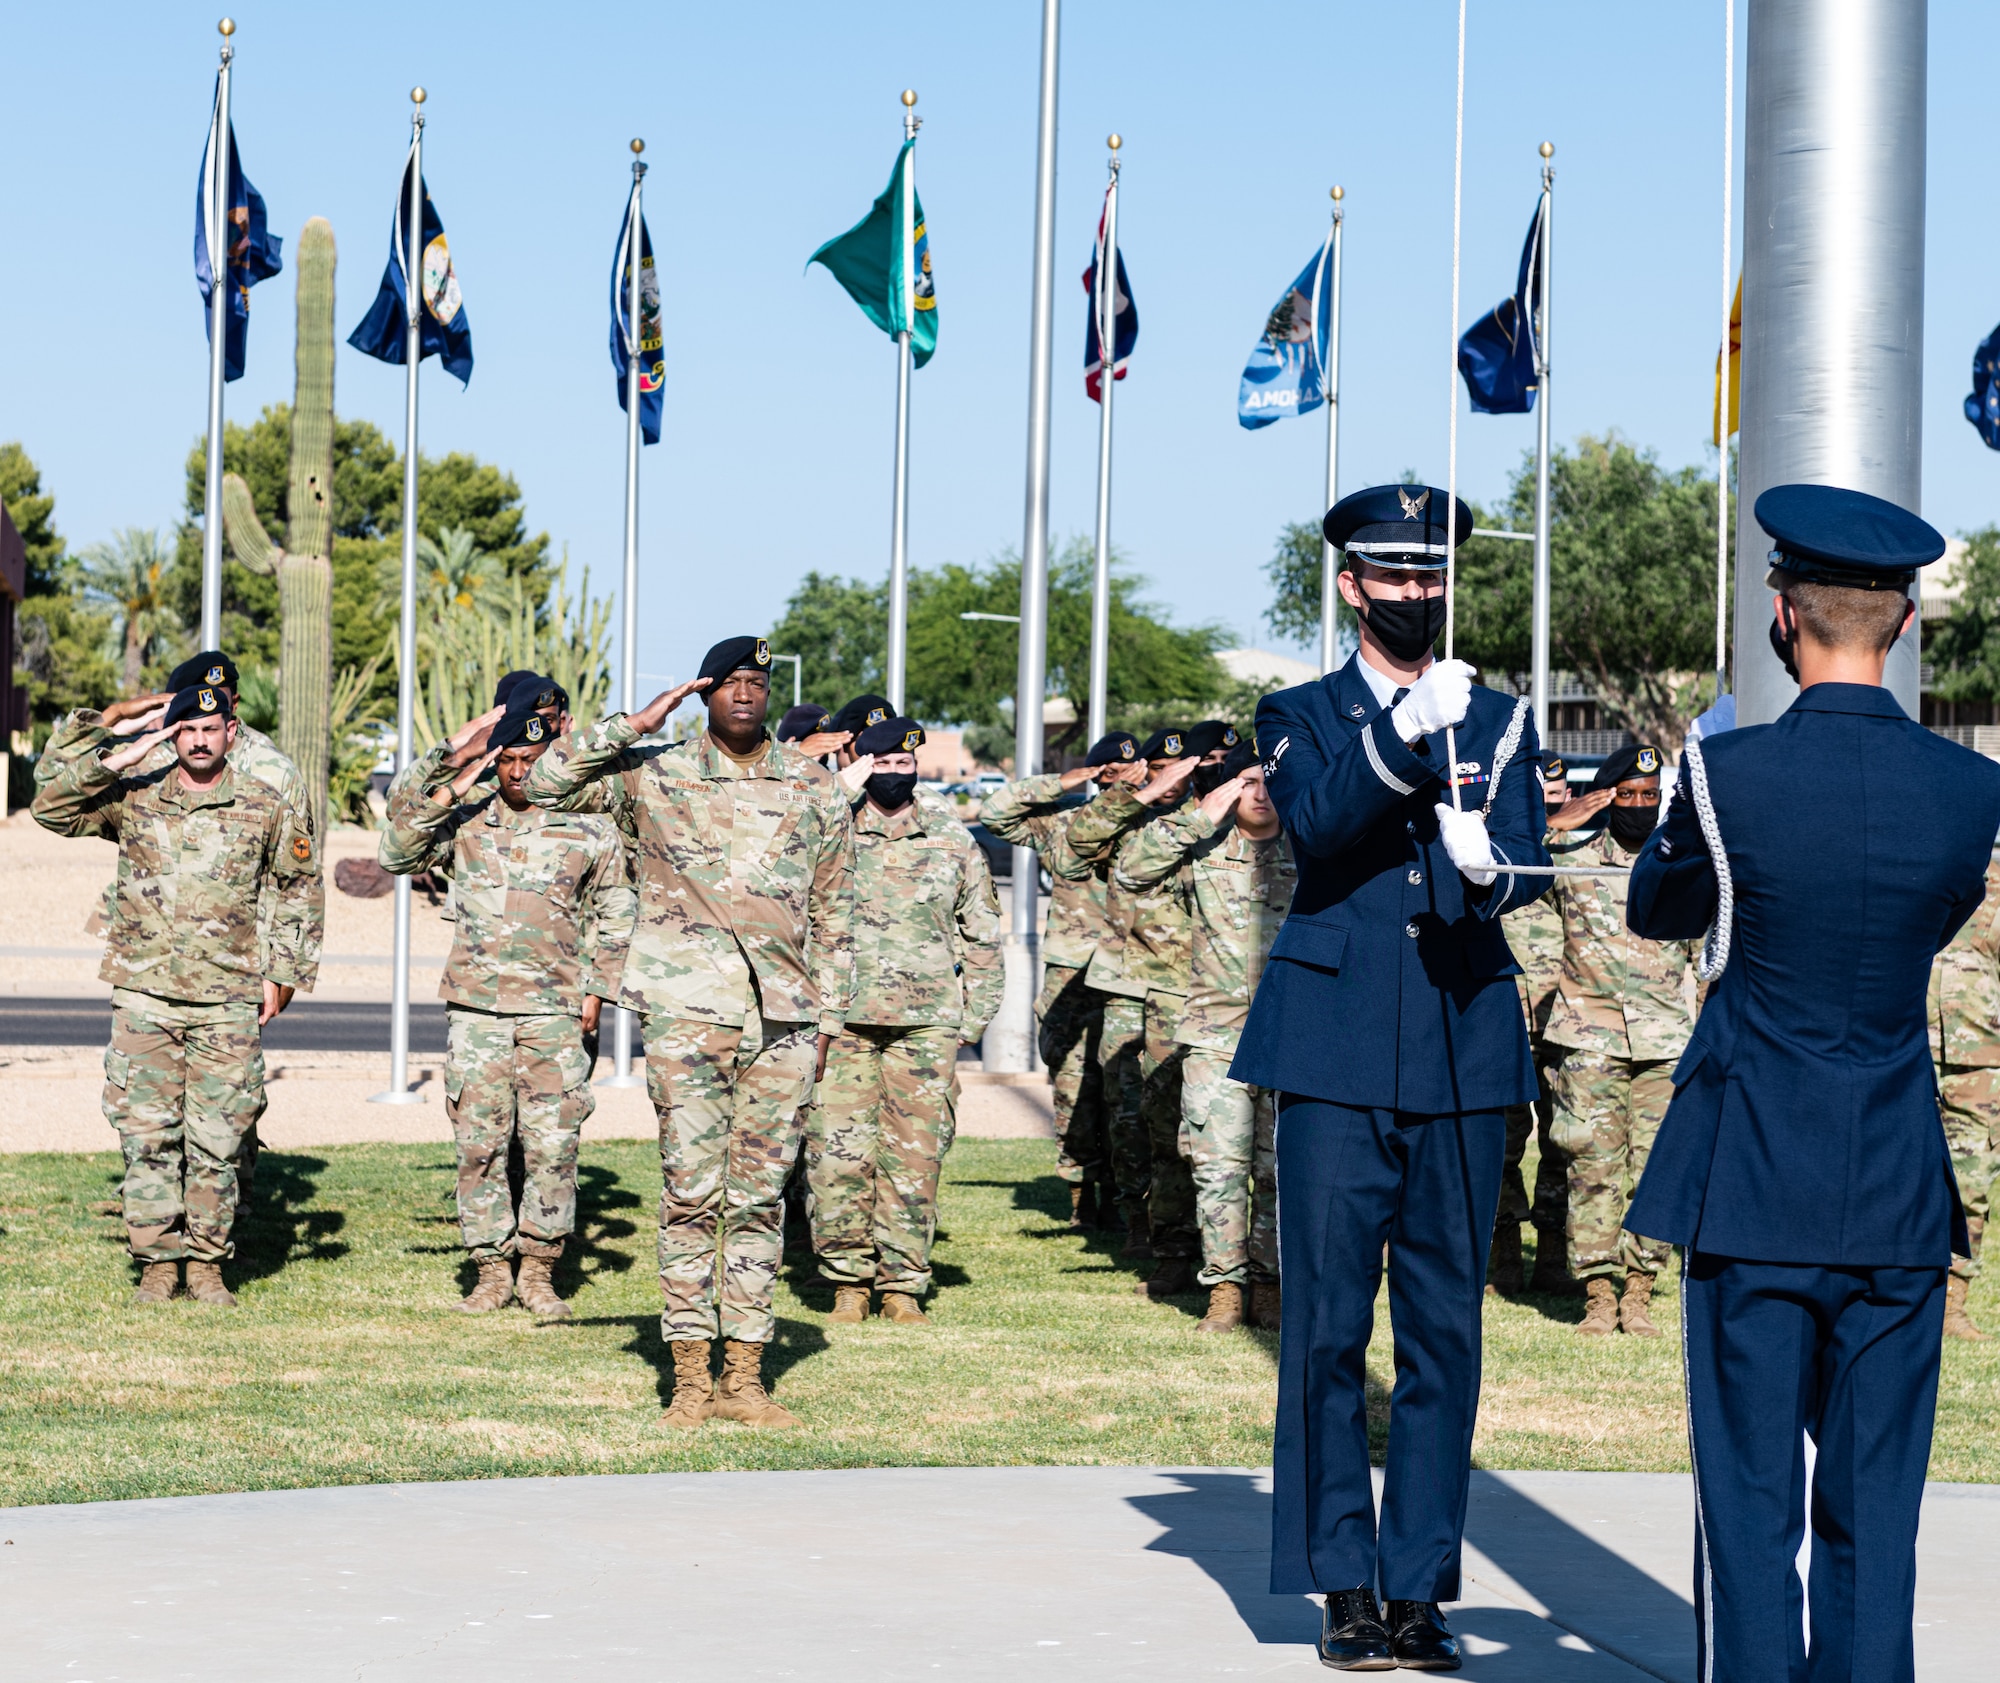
308 1025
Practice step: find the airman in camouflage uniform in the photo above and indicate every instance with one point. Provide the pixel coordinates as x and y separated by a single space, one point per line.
1965 1046
192 979
1622 1015
742 963
1230 862
1154 924
545 908
1029 813
927 980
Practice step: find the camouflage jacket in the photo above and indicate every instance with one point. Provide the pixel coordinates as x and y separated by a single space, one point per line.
745 874
1965 988
926 922
545 901
1152 921
1535 934
1238 891
1618 992
1025 814
191 867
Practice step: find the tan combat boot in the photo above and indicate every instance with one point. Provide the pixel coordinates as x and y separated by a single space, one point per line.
1634 1312
158 1281
1600 1316
901 1307
1957 1323
204 1285
1503 1261
850 1305
495 1288
1225 1309
694 1391
741 1395
535 1286
1266 1305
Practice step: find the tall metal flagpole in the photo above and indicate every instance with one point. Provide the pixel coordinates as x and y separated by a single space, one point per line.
628 660
215 213
899 541
1011 1042
1451 448
1538 657
1105 303
406 640
1722 356
1329 562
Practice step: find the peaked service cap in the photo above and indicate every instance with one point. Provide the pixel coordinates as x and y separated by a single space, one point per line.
1395 526
1829 535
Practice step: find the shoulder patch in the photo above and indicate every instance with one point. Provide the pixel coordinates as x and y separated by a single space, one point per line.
302 849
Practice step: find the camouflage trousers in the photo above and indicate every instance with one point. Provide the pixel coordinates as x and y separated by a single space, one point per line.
1121 1055
1229 1133
882 1120
1550 1207
183 1085
729 1102
507 1077
1608 1112
1071 1014
1969 1099
1170 1213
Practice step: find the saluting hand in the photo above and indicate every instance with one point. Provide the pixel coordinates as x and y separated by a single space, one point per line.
663 706
1170 782
468 742
823 742
132 753
461 785
852 777
142 712
1221 801
1578 810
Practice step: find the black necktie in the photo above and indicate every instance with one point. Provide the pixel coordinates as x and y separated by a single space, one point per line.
1398 696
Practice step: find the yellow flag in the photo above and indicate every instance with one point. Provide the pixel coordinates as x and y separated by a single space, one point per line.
1735 369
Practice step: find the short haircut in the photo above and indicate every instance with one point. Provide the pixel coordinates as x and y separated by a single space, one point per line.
1837 616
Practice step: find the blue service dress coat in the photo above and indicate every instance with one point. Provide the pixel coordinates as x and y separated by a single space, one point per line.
1390 985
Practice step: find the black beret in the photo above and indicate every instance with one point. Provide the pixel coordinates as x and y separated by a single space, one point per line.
533 692
1167 743
1210 735
211 666
1635 759
1395 525
1114 748
1831 536
521 726
199 701
1238 760
735 654
505 688
891 736
863 711
1552 767
802 721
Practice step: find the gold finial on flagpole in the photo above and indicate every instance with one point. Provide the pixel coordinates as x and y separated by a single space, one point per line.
909 96
638 146
1547 149
1339 193
418 96
1114 141
226 28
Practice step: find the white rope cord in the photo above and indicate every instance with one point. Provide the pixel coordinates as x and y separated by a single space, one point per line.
1451 451
1503 756
1722 363
1715 945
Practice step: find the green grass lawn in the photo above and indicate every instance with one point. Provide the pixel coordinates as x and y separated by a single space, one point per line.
344 1366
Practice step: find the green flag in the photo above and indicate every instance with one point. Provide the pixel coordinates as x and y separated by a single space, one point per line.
868 261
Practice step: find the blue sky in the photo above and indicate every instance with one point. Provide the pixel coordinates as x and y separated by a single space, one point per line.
770 128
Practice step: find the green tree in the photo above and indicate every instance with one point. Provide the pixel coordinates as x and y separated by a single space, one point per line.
128 576
840 630
65 655
33 515
1964 649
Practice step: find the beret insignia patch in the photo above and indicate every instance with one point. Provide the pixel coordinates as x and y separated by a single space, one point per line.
1229 736
214 675
763 652
536 730
302 850
910 740
1172 744
1649 760
206 701
1126 750
877 715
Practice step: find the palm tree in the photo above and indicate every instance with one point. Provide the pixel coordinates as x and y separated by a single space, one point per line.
129 574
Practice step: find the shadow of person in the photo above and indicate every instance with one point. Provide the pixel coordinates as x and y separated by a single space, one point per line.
599 1192
281 1225
1221 1521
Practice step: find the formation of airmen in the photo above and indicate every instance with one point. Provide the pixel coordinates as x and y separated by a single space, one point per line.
1319 959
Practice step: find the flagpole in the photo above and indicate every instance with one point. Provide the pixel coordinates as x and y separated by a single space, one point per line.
899 541
1011 1043
1722 357
628 659
216 234
406 641
1538 658
1329 597
1106 306
1451 447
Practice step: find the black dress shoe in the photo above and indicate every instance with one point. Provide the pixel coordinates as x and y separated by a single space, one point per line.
1352 1636
1419 1639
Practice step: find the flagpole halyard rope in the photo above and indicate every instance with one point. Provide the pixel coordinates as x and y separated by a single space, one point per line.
1451 449
1722 355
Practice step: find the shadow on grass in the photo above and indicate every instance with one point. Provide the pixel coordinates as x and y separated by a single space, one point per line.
599 1192
280 1226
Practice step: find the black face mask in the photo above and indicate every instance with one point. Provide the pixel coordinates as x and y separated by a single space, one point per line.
1206 780
1631 825
1407 629
1785 647
891 790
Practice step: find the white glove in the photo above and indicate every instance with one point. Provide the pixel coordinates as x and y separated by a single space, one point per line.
1436 700
1465 839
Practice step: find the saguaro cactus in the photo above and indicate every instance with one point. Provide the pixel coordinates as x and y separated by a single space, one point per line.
304 566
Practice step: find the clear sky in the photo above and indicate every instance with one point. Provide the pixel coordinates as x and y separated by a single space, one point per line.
769 128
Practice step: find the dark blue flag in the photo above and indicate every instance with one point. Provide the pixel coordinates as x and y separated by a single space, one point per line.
1124 316
1496 354
253 250
1982 408
1286 373
652 366
447 335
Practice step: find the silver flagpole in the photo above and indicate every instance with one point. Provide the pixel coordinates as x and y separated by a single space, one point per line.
1010 1043
1329 565
215 212
628 659
1722 356
406 640
1538 656
899 540
1106 306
